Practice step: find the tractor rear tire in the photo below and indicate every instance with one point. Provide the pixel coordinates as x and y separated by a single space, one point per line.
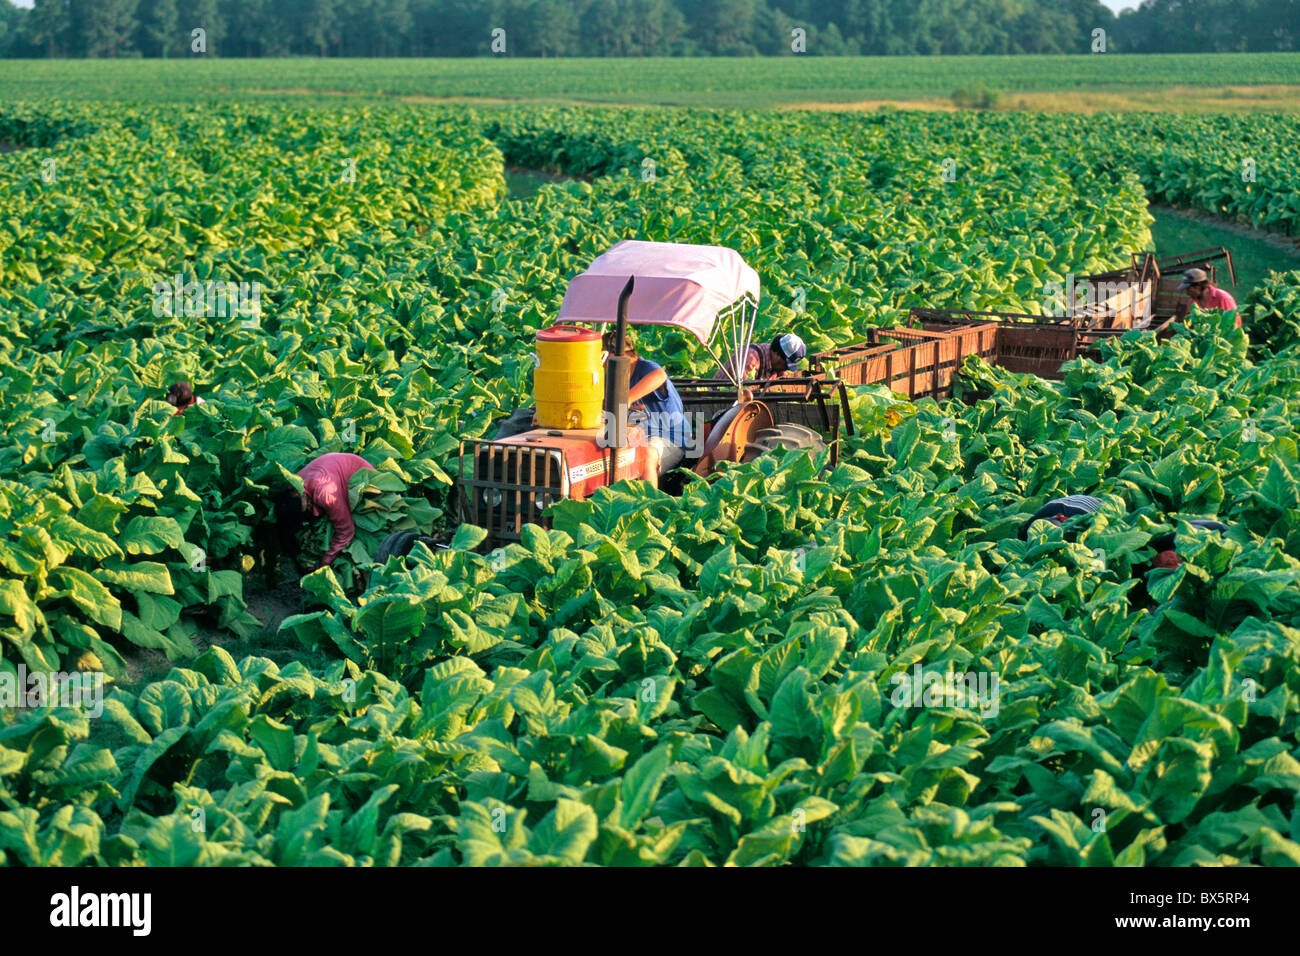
398 544
518 421
784 437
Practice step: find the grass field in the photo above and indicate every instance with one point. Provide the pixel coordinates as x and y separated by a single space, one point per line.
1074 83
1254 256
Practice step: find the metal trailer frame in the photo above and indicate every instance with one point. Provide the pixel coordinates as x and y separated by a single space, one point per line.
1132 305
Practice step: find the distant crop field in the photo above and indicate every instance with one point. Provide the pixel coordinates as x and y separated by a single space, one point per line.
1193 82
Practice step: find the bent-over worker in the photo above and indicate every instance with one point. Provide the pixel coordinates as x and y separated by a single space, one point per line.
1166 555
1060 510
181 394
324 494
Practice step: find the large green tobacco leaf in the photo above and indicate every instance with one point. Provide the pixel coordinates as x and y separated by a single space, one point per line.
139 576
566 832
91 596
276 741
641 786
15 603
71 837
390 621
151 535
492 834
792 713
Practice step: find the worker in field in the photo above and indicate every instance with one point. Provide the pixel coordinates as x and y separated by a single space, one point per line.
1061 510
767 360
1204 294
653 393
1166 556
181 394
324 494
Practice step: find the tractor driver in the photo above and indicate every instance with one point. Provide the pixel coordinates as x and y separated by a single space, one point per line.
653 392
768 360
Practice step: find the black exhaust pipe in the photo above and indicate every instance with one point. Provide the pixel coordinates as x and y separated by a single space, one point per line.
618 380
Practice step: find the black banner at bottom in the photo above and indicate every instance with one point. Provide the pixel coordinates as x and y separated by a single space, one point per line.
300 905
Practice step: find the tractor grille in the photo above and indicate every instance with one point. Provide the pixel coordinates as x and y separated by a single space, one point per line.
505 486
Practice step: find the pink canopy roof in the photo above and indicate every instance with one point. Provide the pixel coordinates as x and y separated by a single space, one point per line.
676 284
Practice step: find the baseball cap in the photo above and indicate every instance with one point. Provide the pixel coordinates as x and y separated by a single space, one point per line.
1191 277
792 349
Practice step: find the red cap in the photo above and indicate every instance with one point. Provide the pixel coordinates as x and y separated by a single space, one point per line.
568 333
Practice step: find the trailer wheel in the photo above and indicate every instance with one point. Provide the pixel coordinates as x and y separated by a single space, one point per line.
784 437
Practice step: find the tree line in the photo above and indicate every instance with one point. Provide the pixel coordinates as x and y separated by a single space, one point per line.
257 28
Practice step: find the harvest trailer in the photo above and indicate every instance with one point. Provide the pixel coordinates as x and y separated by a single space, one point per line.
922 363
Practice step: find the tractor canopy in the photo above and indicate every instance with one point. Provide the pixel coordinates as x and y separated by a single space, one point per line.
696 288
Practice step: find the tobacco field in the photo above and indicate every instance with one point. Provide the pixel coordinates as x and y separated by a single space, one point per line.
703 680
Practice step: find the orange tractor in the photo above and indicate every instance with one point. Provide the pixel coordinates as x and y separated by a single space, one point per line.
584 436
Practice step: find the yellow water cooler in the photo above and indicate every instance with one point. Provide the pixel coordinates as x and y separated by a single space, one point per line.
569 378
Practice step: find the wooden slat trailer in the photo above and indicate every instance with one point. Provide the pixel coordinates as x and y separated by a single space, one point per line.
922 361
912 362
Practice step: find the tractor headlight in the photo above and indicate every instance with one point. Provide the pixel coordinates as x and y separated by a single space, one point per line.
491 497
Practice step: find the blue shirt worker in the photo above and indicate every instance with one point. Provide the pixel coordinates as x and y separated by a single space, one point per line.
666 427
